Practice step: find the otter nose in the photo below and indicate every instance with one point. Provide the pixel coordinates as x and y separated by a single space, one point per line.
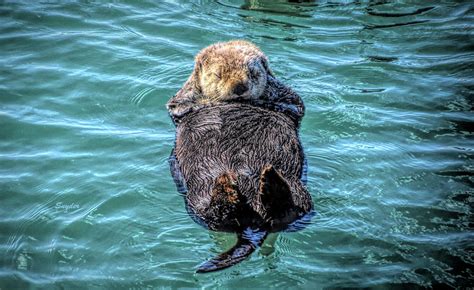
240 89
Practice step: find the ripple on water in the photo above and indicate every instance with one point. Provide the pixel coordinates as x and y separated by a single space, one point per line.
87 195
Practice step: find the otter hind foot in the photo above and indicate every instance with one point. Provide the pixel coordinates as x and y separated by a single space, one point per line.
275 194
227 203
225 189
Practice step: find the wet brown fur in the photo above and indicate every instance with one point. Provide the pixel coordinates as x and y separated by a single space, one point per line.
242 166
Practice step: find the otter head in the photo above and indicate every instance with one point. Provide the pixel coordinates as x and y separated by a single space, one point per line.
231 70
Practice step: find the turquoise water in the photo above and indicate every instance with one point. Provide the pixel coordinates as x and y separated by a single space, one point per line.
87 200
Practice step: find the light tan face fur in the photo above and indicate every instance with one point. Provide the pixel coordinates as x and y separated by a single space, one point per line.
231 70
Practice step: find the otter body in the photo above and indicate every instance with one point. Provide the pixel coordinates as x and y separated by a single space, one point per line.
229 150
240 168
238 159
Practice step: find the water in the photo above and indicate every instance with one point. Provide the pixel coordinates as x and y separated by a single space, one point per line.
87 200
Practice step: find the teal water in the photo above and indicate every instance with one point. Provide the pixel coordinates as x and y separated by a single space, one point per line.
87 200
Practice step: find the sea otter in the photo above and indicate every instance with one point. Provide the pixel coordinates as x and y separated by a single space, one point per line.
238 159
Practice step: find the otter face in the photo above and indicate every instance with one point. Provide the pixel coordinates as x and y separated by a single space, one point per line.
231 70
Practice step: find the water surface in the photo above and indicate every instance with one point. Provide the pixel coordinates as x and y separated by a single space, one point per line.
87 200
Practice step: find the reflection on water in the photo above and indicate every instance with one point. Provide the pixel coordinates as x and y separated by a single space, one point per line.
87 197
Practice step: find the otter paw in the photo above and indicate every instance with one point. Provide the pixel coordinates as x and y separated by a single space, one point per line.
225 188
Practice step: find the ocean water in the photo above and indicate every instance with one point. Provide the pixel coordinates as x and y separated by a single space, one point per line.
86 197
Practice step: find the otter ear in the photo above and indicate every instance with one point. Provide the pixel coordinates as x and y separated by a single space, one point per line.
267 66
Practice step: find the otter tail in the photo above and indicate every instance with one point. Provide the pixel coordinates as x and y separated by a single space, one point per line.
246 244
